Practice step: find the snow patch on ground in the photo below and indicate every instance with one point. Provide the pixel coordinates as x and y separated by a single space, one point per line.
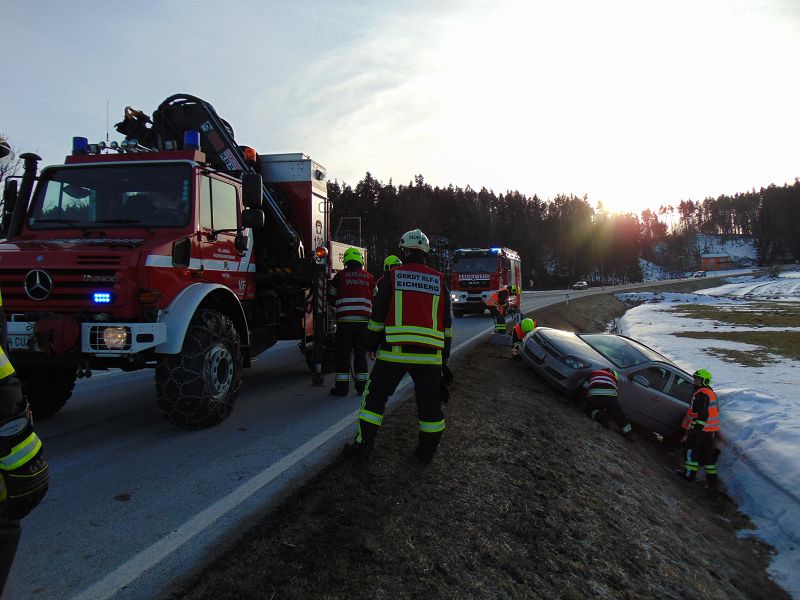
759 411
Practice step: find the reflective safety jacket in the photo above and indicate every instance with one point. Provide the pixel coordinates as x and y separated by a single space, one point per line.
411 316
602 383
705 409
352 290
500 300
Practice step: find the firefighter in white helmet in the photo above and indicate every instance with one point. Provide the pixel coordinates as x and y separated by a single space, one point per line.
409 333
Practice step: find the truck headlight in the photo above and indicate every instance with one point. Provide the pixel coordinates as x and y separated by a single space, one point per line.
113 337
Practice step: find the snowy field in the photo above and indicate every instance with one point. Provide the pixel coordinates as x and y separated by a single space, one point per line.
759 405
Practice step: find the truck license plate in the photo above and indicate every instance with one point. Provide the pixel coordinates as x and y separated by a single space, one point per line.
18 341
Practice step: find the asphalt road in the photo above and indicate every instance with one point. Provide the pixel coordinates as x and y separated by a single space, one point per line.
135 503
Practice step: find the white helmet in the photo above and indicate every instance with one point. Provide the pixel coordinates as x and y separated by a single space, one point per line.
415 240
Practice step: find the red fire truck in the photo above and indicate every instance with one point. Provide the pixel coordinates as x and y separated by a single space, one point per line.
478 272
175 249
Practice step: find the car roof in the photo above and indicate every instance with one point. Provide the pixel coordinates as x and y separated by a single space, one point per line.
576 344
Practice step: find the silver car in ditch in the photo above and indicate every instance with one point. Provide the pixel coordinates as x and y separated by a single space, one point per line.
653 391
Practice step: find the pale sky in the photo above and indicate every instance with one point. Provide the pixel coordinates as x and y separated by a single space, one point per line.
633 103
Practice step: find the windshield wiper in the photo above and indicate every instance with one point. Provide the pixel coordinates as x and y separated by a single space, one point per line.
67 221
116 221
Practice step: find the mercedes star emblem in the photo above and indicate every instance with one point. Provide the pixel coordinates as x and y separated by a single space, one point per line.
38 284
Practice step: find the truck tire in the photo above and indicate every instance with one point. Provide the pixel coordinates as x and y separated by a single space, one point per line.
197 388
47 395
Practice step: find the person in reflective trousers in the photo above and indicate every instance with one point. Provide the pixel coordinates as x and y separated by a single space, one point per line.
498 305
24 475
409 333
602 401
351 291
518 334
704 414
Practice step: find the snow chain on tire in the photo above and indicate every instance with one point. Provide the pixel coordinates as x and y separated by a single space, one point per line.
197 388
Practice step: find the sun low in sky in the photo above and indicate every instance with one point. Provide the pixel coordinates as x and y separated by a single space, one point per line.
632 103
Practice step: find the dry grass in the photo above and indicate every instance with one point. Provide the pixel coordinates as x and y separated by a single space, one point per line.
783 343
524 500
752 314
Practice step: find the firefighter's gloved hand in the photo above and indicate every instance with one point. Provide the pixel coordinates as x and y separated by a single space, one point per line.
23 468
447 375
25 488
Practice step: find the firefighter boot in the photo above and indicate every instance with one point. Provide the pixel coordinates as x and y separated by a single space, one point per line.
339 389
358 451
426 449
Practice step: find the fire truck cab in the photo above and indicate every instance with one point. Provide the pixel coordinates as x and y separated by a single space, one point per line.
476 273
176 250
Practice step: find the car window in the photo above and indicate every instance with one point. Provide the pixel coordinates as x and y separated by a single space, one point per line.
681 388
657 377
616 349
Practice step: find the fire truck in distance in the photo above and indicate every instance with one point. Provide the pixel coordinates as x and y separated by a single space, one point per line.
475 273
176 250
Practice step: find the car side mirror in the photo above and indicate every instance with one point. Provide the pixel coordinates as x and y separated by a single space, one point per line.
640 380
253 217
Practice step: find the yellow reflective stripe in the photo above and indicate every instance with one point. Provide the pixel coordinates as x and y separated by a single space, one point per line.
398 307
435 314
21 453
600 392
407 357
1 299
414 339
448 333
352 318
343 377
370 417
6 368
414 329
375 326
431 426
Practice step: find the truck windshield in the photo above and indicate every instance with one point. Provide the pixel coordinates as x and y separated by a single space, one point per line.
112 196
475 264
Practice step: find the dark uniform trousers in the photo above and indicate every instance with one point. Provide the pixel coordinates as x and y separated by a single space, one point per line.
608 405
351 342
382 383
701 454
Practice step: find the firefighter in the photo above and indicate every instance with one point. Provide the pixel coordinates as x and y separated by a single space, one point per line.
518 334
498 305
351 290
392 261
704 416
409 333
24 474
602 401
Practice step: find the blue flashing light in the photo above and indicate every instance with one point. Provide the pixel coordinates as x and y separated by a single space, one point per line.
80 145
495 250
101 297
191 140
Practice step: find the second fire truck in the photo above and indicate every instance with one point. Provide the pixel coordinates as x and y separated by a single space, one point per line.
478 272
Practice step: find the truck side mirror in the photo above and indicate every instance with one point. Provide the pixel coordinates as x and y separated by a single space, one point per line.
9 201
253 217
252 190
